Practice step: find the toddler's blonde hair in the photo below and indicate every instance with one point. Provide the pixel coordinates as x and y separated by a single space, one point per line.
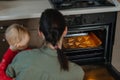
15 33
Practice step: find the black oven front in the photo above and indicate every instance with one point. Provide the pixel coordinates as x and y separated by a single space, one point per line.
90 37
89 43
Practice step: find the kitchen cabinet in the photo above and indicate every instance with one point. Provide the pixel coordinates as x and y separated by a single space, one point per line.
3 42
3 45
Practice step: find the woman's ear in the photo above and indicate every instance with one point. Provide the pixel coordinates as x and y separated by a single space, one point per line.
65 32
41 35
39 32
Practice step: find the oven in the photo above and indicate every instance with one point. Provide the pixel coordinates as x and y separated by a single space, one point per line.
89 43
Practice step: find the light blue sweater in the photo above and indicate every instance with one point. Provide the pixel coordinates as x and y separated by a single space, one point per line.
42 64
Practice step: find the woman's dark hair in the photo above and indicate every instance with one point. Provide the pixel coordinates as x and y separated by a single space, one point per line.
52 25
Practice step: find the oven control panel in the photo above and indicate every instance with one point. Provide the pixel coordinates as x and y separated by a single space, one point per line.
89 19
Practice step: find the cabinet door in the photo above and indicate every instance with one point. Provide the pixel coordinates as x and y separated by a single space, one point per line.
3 28
3 45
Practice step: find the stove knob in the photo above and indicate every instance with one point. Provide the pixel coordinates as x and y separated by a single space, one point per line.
57 1
84 21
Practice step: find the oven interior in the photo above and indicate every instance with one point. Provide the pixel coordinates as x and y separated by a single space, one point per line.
86 45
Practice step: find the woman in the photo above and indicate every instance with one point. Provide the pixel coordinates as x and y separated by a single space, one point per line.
47 62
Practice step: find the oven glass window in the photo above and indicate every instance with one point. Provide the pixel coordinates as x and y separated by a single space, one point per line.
86 39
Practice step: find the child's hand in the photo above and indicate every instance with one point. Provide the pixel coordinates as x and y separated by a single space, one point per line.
13 48
17 47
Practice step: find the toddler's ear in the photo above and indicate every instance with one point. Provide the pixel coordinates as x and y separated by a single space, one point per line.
11 42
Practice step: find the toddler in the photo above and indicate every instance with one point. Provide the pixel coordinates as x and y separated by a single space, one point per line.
17 37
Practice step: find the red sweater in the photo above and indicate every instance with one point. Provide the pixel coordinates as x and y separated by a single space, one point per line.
6 60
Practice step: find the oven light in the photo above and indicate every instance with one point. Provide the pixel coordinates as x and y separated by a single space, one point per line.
79 34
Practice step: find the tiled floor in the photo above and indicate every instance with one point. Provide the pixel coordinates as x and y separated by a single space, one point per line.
93 72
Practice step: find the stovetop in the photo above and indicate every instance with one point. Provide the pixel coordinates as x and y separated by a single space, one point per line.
71 4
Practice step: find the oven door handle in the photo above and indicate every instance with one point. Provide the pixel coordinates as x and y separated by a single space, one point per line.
79 34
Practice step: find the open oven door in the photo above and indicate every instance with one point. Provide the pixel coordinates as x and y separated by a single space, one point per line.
89 47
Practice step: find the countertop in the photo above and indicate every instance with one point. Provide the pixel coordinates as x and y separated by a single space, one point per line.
11 10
